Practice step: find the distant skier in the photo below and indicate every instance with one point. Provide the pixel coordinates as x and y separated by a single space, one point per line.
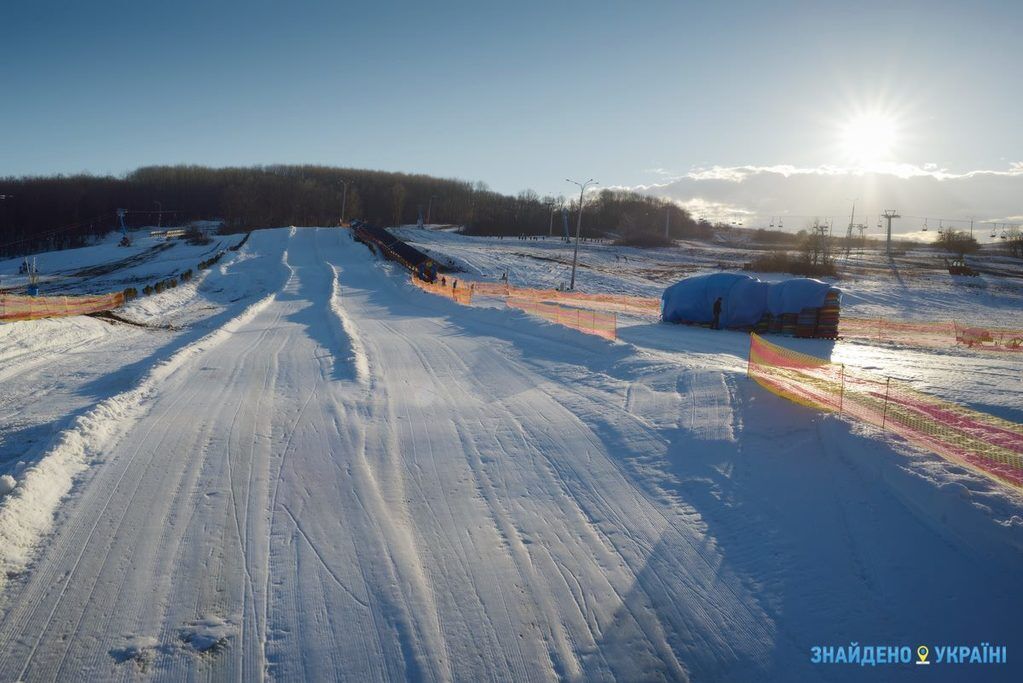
716 325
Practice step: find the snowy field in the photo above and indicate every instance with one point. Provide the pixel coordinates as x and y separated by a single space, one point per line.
300 467
914 288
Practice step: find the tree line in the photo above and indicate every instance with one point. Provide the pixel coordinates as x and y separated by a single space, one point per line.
62 211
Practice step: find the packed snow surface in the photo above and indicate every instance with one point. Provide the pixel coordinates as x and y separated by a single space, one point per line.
306 469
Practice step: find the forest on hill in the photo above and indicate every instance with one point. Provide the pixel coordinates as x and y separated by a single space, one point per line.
68 210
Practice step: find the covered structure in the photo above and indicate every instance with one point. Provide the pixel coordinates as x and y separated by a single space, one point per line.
748 302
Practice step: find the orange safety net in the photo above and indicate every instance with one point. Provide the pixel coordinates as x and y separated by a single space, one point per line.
591 322
932 334
14 308
638 305
985 443
462 293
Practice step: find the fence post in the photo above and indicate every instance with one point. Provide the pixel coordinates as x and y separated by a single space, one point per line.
749 356
884 416
841 390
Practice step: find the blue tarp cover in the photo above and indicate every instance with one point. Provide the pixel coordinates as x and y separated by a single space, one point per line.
744 298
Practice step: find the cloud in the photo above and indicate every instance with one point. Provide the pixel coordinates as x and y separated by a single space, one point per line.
799 194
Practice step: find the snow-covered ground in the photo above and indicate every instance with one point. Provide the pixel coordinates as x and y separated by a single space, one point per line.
914 285
914 289
303 468
106 267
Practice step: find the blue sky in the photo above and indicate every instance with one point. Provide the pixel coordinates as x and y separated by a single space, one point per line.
519 95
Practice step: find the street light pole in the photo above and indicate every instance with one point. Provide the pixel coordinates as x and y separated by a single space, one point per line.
344 199
578 223
429 209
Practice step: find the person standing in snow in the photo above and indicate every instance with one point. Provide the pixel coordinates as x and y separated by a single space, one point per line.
716 325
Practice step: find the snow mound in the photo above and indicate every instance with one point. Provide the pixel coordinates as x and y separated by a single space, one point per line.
209 635
137 649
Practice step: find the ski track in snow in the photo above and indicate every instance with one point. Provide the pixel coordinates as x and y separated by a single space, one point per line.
356 480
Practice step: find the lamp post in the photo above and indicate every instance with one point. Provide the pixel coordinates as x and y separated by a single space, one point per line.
578 223
429 209
344 199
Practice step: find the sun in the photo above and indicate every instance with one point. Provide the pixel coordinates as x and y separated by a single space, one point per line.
869 138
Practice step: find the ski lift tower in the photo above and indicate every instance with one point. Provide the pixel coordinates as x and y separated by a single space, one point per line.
888 215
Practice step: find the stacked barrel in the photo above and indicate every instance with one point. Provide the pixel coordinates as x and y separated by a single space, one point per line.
806 323
827 321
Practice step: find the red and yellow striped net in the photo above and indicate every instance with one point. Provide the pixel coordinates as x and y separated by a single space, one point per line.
985 443
591 322
935 334
461 294
14 308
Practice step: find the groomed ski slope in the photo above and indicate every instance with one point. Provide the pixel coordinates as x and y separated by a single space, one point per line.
352 479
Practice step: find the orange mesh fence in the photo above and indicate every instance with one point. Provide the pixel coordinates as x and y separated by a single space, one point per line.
462 294
932 334
13 308
491 288
591 322
983 442
638 305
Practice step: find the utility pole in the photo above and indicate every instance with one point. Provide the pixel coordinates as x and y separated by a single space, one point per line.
888 215
578 223
344 199
550 227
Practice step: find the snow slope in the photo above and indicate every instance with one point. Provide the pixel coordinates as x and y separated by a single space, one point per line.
347 478
106 267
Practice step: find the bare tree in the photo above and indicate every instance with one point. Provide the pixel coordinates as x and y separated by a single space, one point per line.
957 241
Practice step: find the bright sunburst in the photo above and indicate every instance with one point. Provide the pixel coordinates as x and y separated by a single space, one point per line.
869 138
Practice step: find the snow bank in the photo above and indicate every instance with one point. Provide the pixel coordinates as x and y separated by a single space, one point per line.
26 514
358 358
